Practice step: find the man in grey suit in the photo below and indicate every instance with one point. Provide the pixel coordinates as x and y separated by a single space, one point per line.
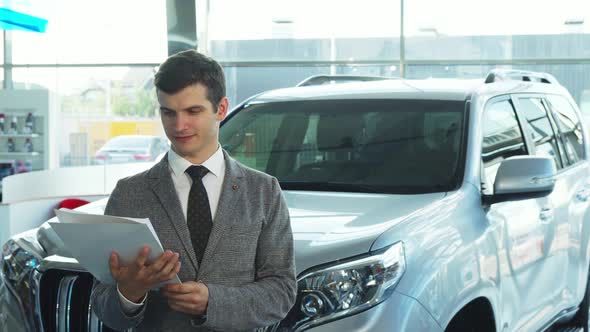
225 228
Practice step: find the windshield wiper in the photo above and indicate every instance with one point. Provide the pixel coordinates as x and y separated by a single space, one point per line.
360 188
328 186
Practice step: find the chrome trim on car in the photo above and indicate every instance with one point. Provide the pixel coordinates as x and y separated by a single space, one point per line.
62 307
36 318
94 324
60 263
63 301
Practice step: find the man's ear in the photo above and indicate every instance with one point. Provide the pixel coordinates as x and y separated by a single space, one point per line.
222 109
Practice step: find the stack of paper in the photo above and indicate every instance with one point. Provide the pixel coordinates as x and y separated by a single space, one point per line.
91 238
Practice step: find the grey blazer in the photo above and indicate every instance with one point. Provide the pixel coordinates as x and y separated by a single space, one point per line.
248 264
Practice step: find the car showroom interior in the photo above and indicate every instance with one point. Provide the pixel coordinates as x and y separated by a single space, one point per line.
282 165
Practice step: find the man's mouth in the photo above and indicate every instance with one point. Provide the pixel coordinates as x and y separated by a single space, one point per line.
183 138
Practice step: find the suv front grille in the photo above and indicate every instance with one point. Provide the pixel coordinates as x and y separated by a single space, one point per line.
64 300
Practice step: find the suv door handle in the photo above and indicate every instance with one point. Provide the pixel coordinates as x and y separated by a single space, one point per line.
583 195
546 215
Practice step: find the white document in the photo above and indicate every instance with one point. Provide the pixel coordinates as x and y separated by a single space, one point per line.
91 238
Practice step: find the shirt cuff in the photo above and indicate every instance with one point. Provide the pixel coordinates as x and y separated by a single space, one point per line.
130 307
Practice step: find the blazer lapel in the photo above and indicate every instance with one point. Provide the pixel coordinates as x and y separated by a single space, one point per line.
163 187
225 217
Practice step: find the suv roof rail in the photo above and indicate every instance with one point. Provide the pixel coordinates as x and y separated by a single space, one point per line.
520 75
326 79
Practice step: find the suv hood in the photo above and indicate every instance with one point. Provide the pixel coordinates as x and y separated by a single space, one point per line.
331 226
327 226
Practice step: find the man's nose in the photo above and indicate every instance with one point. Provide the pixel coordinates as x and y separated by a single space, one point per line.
180 123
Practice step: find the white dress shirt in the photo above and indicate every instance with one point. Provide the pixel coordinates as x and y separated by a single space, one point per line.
212 180
182 184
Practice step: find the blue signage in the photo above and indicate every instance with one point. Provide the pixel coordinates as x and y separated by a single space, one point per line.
12 20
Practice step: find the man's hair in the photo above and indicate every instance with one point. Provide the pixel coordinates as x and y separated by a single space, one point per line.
190 67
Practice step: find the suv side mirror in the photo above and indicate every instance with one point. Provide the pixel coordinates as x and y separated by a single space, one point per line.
523 177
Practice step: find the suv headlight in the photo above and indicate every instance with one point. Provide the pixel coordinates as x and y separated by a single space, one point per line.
19 258
347 288
17 262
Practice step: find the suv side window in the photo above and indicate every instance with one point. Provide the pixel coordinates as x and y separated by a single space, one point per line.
539 126
502 138
570 127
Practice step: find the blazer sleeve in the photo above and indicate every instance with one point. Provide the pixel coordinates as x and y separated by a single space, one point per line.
105 298
269 298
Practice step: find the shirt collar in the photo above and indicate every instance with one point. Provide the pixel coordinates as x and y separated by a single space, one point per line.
179 165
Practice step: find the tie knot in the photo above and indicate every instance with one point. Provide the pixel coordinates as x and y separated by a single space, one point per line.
197 172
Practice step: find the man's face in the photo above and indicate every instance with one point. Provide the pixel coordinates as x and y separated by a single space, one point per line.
190 122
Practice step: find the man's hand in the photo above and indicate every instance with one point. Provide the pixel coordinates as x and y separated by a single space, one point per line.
137 278
189 297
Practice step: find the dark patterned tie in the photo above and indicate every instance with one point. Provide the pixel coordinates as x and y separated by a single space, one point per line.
198 216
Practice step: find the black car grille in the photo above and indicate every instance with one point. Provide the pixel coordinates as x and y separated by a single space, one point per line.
64 303
64 300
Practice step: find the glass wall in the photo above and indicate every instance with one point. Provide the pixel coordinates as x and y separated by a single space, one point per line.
454 38
243 82
88 31
95 105
97 58
290 31
486 30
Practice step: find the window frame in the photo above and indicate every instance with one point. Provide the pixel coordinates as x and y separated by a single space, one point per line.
531 146
525 139
580 120
566 162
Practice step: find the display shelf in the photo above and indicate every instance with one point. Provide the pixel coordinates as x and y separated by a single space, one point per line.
20 154
15 107
20 135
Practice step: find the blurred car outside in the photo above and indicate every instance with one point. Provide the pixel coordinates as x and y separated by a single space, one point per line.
130 149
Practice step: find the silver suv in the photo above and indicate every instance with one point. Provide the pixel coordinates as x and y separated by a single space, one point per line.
429 205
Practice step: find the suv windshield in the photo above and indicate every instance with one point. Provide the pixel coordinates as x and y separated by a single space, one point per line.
381 146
